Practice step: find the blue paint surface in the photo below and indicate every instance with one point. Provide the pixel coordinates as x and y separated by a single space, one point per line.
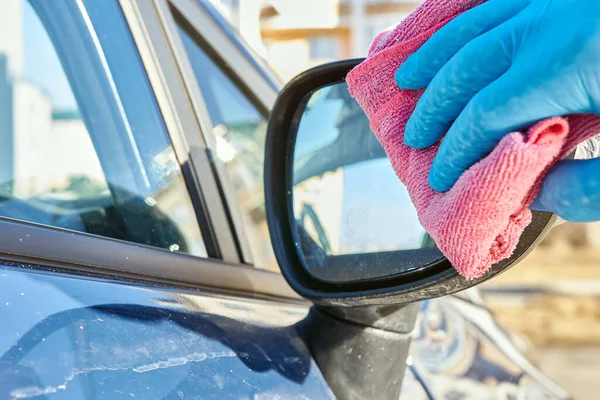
70 338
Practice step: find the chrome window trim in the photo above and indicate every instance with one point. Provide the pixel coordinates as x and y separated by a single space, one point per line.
48 248
183 126
260 91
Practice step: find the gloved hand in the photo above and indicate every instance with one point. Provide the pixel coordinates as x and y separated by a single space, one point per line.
498 68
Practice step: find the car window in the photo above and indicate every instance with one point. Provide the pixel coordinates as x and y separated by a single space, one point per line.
83 146
240 132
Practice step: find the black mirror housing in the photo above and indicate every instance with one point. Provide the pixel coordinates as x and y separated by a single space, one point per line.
437 279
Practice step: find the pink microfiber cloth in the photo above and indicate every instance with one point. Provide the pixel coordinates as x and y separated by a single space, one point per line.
480 220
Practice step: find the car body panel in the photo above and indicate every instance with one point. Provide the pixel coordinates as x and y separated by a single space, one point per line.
74 337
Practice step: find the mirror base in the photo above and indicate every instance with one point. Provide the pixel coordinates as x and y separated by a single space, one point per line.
355 358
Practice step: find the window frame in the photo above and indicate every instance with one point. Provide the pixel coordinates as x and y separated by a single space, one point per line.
257 87
35 246
183 126
155 30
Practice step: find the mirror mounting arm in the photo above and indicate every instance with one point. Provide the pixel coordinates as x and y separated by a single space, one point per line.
361 351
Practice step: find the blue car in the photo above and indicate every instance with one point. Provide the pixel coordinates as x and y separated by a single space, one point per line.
175 225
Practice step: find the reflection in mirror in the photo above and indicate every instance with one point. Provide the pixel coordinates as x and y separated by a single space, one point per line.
354 219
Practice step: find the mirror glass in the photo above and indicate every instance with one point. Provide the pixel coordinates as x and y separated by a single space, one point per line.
353 218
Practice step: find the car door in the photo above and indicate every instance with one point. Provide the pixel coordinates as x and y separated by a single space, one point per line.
123 273
234 92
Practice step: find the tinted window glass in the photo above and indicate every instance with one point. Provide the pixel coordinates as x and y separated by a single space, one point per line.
82 144
240 141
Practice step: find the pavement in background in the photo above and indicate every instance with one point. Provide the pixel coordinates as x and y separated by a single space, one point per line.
574 368
553 299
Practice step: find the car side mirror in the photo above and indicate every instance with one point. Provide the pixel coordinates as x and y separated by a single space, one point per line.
343 229
346 236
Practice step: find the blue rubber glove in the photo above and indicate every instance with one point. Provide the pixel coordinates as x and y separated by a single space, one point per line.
501 67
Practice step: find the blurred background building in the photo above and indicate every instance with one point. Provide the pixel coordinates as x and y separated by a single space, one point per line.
296 35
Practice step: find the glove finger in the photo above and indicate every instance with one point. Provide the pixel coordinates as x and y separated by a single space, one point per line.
510 103
479 63
418 71
572 191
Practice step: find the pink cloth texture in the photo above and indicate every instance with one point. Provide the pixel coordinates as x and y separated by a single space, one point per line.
480 220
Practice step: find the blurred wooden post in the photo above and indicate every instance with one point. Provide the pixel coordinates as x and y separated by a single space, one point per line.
358 45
